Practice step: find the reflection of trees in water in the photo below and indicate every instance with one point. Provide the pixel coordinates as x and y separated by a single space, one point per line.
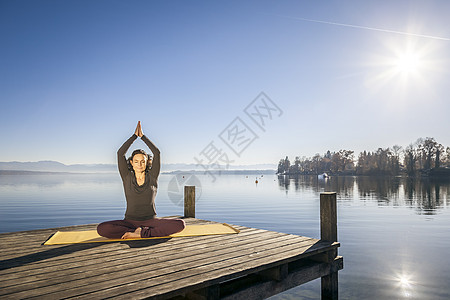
423 194
383 189
426 195
283 182
343 185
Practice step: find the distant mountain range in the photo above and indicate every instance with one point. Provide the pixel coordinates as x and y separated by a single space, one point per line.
54 166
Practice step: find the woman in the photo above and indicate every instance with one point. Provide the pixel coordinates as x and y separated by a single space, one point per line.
140 182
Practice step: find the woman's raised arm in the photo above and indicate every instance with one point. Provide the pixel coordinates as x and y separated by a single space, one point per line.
121 158
156 163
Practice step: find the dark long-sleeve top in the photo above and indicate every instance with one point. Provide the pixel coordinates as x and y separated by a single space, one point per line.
140 198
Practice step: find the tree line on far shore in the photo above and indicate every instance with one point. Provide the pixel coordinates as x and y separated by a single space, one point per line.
424 157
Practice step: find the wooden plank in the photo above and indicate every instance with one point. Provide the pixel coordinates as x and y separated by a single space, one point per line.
266 289
17 248
19 235
44 259
62 262
167 266
195 278
104 257
106 264
195 244
34 238
60 255
65 248
172 268
75 264
277 273
45 232
230 266
154 271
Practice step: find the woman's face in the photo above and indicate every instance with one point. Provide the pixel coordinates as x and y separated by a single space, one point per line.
139 163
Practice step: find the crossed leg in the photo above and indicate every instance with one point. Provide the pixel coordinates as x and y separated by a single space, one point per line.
124 229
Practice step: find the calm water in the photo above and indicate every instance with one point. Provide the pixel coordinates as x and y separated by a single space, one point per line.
394 232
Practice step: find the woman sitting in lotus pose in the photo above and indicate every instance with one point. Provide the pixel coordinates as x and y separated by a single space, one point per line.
140 183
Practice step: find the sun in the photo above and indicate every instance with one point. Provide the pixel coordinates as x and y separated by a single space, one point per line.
401 73
404 281
407 63
402 66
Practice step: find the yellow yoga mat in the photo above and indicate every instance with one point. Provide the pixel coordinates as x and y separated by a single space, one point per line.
91 236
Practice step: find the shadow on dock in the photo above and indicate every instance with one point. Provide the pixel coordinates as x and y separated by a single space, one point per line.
44 255
69 249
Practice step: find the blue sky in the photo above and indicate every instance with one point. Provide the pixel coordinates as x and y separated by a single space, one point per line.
76 76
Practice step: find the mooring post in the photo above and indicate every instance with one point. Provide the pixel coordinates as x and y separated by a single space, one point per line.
189 201
328 217
328 232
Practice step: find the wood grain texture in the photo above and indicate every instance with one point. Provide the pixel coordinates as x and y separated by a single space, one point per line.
158 269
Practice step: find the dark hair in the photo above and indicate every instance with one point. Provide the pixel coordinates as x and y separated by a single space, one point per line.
139 151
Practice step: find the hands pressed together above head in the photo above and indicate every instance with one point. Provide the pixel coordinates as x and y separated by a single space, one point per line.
138 130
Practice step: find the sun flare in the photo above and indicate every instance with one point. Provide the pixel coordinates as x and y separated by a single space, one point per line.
408 63
404 281
403 67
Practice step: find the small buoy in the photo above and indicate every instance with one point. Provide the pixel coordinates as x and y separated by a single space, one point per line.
256 181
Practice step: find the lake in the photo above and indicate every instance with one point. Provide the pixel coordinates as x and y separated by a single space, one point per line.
394 231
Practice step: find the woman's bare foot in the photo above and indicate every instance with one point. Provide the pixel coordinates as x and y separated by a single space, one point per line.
132 235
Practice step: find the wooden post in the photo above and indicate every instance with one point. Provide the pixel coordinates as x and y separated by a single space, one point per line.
328 217
328 232
189 201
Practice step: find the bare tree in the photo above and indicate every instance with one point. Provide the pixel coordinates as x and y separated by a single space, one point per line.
396 152
410 159
439 152
423 155
429 149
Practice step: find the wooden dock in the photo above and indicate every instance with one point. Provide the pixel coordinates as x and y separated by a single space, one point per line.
253 264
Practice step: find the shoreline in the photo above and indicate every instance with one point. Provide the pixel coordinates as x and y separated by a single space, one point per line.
224 172
441 176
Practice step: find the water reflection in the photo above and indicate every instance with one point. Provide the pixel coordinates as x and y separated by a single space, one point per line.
424 195
55 180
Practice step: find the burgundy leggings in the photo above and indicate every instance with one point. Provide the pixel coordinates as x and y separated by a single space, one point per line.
150 228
